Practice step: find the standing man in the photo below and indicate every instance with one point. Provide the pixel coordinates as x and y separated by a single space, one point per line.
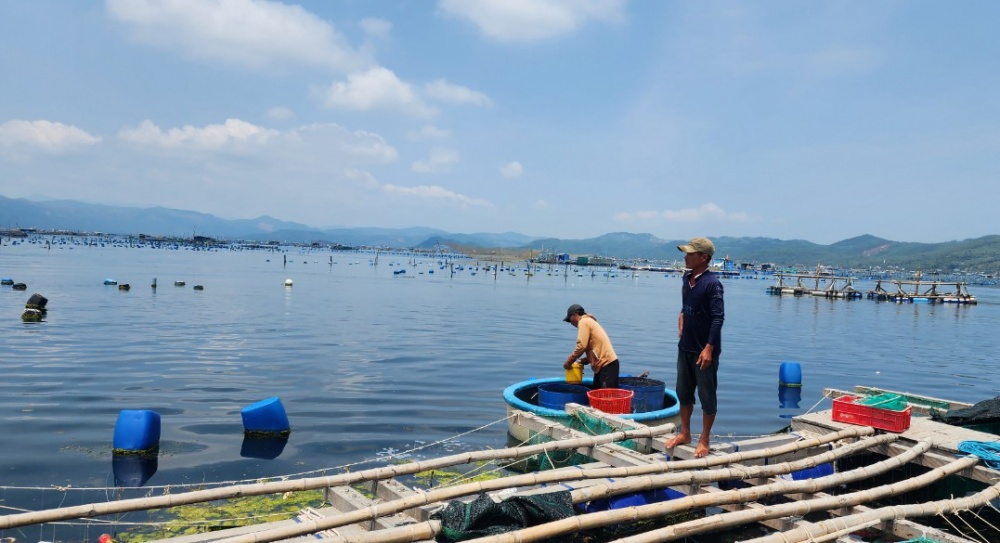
592 341
699 328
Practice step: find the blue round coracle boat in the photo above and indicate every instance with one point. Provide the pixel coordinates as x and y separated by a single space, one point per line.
524 396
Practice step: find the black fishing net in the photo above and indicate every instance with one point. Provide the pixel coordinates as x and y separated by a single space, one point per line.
984 412
483 516
582 422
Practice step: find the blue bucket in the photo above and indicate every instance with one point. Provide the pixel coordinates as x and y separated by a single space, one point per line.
557 395
648 393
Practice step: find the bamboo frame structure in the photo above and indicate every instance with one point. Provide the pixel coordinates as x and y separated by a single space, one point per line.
635 483
314 483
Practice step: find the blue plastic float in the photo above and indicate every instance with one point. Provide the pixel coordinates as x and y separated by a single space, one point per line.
137 431
790 374
266 417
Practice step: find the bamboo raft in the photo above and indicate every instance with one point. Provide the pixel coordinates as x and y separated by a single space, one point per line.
752 483
823 285
918 291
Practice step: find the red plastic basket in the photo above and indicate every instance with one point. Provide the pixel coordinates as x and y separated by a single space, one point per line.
615 401
846 410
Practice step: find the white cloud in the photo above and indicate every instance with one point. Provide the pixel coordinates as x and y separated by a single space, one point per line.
435 192
709 212
213 136
46 135
376 28
308 144
280 113
512 170
438 161
443 91
375 89
256 34
532 20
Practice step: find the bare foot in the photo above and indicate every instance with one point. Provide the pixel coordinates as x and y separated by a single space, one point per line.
679 439
702 450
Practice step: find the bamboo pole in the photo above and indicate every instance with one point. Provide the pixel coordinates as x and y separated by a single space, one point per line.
699 501
633 483
312 483
888 513
799 508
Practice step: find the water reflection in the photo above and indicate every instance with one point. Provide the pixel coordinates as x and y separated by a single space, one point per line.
133 471
264 448
789 397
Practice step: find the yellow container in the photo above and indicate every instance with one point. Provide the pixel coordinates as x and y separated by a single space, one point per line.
575 373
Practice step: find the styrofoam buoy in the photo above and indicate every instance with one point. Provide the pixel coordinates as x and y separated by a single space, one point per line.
288 282
790 374
265 418
137 432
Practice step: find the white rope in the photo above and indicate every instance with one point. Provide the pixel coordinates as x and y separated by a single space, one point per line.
821 400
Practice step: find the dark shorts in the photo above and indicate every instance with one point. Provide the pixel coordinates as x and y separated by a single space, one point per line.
607 377
690 377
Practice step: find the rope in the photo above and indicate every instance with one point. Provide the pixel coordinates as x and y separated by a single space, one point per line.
821 400
987 451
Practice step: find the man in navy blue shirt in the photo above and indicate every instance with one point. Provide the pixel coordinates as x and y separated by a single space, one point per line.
699 328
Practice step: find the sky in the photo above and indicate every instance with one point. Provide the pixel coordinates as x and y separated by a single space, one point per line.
820 120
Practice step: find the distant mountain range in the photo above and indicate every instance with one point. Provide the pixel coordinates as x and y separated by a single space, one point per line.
973 255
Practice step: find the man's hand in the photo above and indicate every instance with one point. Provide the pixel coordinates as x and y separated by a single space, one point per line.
705 357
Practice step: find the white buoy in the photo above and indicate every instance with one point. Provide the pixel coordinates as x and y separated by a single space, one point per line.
288 282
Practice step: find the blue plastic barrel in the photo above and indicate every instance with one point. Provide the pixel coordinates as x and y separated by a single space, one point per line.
648 393
266 416
790 374
137 431
557 395
821 470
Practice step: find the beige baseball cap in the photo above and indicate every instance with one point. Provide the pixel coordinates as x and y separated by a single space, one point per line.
699 245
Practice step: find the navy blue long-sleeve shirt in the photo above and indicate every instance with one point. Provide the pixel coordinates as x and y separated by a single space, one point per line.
704 311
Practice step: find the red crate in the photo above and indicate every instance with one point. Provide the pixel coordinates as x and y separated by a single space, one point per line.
846 410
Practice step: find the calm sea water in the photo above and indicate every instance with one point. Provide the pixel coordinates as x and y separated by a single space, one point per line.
371 365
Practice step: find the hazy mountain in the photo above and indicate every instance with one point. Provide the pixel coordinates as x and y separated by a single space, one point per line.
980 254
157 221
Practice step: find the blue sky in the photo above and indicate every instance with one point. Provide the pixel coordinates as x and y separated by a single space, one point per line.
817 120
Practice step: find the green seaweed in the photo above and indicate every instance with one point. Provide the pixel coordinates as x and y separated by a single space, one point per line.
221 515
443 477
150 452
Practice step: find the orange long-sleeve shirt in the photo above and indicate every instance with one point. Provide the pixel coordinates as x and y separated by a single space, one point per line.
593 340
